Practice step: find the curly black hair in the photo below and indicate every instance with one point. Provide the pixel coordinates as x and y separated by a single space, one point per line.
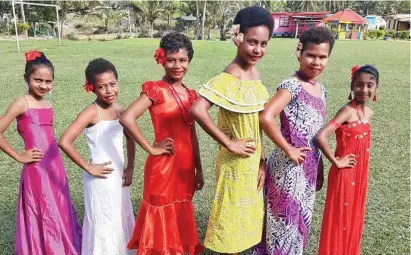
317 35
254 16
175 41
372 70
39 61
98 66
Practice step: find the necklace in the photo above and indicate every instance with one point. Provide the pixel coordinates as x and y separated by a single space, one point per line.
189 120
362 118
305 78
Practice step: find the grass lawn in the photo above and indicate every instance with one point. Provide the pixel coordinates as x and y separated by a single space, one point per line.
388 204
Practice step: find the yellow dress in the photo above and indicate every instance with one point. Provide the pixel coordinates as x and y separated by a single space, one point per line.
236 217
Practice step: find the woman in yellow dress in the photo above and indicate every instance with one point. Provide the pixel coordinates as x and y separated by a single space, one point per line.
236 217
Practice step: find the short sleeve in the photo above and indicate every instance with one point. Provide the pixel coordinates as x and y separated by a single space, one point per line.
151 90
194 95
292 85
325 92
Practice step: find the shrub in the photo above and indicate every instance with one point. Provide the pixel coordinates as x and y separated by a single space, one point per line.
404 34
21 27
71 36
380 33
372 34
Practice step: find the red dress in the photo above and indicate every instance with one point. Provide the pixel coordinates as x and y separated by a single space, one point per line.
344 212
165 223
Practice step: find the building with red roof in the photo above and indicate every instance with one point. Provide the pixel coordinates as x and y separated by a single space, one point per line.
347 24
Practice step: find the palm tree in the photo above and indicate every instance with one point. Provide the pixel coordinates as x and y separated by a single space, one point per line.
149 11
306 5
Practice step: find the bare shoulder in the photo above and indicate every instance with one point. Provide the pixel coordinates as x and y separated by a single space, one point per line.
119 107
369 111
346 109
19 105
234 70
346 112
256 74
15 109
89 113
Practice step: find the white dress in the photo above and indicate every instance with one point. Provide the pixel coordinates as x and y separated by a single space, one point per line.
108 219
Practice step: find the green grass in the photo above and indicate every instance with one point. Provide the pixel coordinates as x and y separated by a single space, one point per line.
388 203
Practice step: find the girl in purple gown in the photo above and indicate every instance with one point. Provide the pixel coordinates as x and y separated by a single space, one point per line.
46 221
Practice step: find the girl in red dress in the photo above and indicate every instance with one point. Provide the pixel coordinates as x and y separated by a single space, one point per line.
343 219
165 222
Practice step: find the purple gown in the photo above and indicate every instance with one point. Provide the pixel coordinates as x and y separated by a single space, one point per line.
46 220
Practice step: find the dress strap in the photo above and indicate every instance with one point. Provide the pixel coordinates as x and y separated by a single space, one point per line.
27 101
49 104
118 112
98 110
28 108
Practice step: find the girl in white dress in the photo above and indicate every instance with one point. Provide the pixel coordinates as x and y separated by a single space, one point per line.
108 218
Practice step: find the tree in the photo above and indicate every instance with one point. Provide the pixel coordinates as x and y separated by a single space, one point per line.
149 11
226 13
336 5
65 6
174 9
201 8
306 5
364 7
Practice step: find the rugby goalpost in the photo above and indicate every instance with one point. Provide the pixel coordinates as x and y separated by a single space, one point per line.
13 2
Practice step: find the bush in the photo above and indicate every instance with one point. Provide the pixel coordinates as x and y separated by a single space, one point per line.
389 34
380 33
71 36
404 34
21 27
78 26
5 28
372 34
43 28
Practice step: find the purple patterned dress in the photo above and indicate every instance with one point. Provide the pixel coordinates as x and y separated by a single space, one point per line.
290 189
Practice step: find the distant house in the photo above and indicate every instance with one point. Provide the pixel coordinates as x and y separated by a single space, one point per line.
398 22
347 24
184 23
375 22
287 24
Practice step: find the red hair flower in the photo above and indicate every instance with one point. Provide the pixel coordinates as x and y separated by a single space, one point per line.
160 56
32 55
88 87
354 69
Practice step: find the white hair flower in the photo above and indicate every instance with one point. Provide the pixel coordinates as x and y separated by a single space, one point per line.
236 36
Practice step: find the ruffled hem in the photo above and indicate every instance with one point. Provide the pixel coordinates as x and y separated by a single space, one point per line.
169 229
235 95
181 250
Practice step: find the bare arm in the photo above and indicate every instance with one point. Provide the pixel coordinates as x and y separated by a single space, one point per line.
70 135
197 158
267 121
131 145
128 121
14 110
343 115
199 111
263 166
131 153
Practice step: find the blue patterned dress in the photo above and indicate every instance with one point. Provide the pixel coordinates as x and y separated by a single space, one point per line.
290 189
